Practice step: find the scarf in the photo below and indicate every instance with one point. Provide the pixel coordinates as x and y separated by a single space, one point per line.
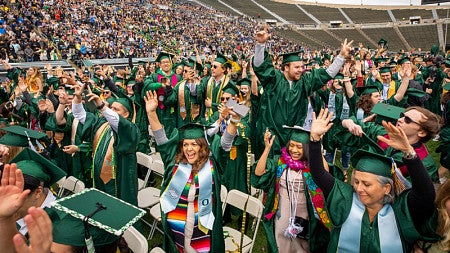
315 193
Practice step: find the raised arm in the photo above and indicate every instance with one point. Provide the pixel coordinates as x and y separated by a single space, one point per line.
261 165
151 103
319 127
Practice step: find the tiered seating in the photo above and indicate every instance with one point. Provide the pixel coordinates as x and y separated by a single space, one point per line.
289 12
249 8
361 16
423 36
324 14
324 37
351 34
217 6
442 11
301 40
389 34
404 14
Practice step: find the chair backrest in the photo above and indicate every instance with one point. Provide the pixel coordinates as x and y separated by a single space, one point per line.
249 204
135 240
158 164
146 161
71 184
223 197
157 250
257 193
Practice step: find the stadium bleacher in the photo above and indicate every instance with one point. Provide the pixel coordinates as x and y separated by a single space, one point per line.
299 38
361 16
324 14
217 6
443 13
405 14
388 33
352 34
324 37
421 35
287 11
249 8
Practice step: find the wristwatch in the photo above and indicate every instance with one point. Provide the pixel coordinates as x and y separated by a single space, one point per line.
409 155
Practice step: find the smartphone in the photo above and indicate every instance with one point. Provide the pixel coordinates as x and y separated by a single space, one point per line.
163 80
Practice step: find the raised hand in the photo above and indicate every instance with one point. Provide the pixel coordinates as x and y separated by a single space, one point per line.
268 139
263 36
346 47
12 195
397 138
151 101
40 232
321 124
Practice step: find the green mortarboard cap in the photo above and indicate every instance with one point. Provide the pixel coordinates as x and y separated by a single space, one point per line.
4 121
193 131
105 226
290 57
369 89
208 65
382 41
127 103
164 55
386 69
446 86
243 57
403 60
244 81
326 57
378 60
447 63
434 50
415 92
234 57
387 112
37 166
339 76
131 82
299 134
175 65
371 162
17 136
194 64
231 88
221 58
142 63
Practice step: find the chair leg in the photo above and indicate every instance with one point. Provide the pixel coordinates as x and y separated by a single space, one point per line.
152 229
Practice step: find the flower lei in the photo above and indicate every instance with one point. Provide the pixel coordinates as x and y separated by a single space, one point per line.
315 193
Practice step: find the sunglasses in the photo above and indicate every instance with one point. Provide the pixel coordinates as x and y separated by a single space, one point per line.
106 92
408 120
224 98
215 66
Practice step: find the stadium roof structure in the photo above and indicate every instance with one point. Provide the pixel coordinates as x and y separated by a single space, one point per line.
318 24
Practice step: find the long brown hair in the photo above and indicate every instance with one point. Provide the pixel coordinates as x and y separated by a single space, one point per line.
443 229
203 154
365 103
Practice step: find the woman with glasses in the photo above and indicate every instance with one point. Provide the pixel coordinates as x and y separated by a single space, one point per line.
371 214
419 126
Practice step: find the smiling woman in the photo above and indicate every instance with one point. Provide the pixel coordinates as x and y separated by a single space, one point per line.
367 216
191 209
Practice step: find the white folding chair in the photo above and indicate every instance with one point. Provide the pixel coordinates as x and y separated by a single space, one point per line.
71 185
157 250
257 193
252 206
155 212
223 197
146 161
135 240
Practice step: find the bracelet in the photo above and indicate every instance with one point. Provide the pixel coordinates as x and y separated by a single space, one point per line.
409 155
101 106
235 121
312 139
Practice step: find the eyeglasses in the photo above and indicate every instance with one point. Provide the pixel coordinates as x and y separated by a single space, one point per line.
106 92
408 120
225 98
185 71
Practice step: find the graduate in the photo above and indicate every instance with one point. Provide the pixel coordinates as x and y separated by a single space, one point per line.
374 214
190 195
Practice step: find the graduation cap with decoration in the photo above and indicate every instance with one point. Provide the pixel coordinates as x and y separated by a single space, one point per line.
22 137
164 55
387 112
298 134
93 218
291 57
37 166
220 58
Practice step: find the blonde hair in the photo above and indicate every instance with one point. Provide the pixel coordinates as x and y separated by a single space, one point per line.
443 229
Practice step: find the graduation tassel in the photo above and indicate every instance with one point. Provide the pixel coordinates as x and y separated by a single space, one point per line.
30 143
400 182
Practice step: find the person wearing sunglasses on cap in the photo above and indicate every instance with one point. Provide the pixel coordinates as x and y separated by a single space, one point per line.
373 214
419 124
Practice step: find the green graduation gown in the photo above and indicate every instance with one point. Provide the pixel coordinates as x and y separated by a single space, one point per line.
168 152
282 105
172 100
124 182
339 203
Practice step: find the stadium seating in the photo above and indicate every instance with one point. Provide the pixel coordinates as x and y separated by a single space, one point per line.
405 14
388 33
361 16
287 11
352 34
421 35
324 14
